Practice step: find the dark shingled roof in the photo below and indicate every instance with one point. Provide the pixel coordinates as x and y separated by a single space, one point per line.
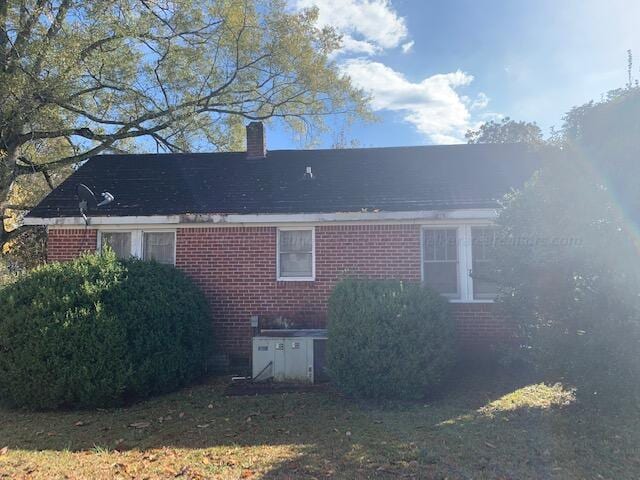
349 180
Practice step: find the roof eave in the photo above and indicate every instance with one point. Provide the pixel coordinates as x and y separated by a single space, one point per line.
272 218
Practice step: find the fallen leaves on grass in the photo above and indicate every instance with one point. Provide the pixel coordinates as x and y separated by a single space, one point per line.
386 443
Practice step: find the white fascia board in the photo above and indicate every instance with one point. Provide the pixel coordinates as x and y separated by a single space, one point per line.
268 218
76 221
344 217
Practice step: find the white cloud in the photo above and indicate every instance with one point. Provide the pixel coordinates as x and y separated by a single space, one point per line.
367 26
407 47
480 102
432 105
353 46
370 27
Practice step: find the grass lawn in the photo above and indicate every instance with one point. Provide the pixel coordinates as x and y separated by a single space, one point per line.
497 426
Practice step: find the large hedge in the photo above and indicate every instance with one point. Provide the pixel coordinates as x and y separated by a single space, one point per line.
388 339
568 260
100 332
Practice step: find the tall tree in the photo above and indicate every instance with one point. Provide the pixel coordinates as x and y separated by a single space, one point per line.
568 262
79 78
506 131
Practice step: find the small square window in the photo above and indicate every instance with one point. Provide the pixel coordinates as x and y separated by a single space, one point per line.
295 254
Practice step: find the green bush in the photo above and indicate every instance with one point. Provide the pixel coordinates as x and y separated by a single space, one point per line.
388 339
100 332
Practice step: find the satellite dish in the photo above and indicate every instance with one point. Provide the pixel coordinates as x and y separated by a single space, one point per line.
107 198
88 200
85 194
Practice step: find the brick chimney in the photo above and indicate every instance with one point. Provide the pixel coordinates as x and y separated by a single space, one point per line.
256 145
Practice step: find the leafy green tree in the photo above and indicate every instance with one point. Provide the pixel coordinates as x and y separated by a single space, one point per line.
568 260
79 78
506 131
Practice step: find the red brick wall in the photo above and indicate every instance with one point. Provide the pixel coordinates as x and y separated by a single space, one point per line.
481 327
65 244
236 268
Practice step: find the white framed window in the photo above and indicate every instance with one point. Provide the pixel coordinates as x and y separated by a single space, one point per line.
158 245
483 240
455 258
440 264
295 256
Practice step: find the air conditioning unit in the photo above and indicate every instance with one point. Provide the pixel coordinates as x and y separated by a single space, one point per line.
290 356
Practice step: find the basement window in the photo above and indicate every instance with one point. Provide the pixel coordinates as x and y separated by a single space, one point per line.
295 254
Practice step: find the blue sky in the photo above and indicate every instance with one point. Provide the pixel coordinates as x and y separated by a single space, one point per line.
436 68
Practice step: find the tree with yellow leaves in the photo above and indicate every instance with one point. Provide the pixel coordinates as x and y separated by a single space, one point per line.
80 78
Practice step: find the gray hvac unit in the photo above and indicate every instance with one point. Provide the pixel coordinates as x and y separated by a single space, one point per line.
295 356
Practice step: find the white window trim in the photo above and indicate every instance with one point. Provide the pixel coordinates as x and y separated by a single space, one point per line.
137 239
312 278
465 260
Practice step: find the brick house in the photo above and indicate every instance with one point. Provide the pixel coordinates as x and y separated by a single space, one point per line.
268 234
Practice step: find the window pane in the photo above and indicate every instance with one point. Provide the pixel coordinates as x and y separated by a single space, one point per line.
120 243
296 241
477 250
441 260
452 245
483 286
483 239
296 265
442 277
159 246
429 245
441 244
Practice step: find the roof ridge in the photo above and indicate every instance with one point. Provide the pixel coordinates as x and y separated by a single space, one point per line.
399 147
299 150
